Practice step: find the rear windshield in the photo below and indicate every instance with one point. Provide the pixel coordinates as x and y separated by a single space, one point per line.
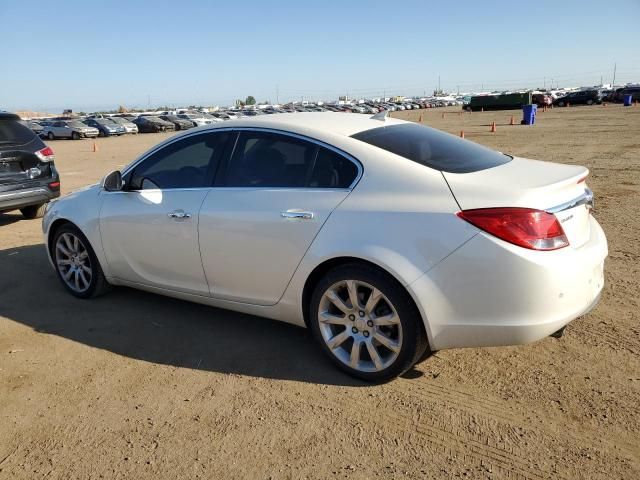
14 133
433 148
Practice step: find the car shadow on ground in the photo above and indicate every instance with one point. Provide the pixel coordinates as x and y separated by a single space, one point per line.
159 329
9 218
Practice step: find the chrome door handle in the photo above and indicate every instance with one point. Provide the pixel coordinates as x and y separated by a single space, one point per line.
297 215
179 214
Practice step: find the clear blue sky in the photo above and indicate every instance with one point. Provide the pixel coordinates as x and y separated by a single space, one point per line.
90 55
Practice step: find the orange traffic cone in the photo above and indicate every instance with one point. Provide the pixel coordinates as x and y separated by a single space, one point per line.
420 119
512 122
442 114
461 133
493 127
95 147
604 104
460 113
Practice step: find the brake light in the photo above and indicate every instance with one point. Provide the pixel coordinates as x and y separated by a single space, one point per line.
525 227
46 154
54 185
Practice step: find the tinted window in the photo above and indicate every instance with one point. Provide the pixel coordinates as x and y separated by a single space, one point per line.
433 148
186 163
263 159
12 132
332 170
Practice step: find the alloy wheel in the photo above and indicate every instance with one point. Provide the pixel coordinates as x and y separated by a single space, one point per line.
360 326
73 262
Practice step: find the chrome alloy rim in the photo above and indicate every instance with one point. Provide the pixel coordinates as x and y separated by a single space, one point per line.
360 326
73 262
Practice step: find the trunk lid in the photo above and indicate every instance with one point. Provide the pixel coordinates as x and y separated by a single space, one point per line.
552 187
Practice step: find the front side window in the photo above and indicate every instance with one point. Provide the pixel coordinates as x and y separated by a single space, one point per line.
187 163
432 148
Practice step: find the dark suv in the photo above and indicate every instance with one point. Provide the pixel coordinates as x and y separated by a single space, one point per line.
28 176
582 97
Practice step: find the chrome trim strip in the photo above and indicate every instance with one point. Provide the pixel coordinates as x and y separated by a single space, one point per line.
22 193
585 199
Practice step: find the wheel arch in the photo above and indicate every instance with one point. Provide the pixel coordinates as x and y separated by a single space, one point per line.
327 265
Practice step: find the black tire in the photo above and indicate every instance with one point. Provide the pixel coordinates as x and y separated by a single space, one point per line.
414 339
101 133
33 211
75 136
51 136
589 102
98 284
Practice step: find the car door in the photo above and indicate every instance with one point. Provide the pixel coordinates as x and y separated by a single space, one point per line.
150 229
273 196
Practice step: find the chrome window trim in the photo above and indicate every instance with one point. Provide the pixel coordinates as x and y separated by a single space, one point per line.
585 199
168 142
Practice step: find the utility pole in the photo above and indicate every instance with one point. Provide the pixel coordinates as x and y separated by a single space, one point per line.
439 90
458 87
614 74
545 83
277 94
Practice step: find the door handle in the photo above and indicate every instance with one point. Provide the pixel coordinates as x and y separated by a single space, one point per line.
297 215
179 214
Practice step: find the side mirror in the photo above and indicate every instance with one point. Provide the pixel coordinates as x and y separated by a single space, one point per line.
113 182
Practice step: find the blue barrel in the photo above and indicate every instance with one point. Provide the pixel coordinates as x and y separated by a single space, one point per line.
529 114
627 99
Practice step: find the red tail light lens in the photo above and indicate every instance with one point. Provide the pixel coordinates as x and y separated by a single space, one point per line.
525 227
46 154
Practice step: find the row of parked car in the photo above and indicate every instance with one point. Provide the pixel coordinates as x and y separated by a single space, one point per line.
121 124
597 96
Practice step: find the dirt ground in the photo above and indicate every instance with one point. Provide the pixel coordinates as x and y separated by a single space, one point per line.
133 385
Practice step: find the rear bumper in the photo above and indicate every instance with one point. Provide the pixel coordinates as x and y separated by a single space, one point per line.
491 293
16 199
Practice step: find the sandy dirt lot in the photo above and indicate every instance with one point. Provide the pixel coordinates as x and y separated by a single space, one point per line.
133 385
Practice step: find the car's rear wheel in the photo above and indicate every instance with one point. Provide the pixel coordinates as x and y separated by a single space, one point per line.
76 263
561 104
100 133
51 136
75 136
367 323
589 102
33 211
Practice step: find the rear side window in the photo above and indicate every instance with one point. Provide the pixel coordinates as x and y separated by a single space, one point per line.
433 148
14 133
266 159
332 170
263 159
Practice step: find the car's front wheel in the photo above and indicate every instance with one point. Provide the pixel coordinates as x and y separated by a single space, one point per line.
76 263
367 323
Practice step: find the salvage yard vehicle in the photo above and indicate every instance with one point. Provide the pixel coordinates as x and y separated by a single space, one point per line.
581 97
73 129
105 126
153 124
34 126
28 176
386 238
179 123
129 126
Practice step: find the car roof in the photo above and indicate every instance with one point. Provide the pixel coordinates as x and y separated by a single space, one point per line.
8 116
304 122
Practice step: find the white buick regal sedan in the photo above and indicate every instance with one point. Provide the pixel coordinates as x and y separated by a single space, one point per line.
387 238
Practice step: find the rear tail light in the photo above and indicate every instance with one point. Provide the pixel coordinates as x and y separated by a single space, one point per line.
525 227
54 185
46 154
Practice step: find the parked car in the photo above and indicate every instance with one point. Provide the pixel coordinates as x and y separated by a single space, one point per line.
28 176
178 123
129 126
581 97
106 127
541 99
197 119
477 248
152 124
73 129
34 126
